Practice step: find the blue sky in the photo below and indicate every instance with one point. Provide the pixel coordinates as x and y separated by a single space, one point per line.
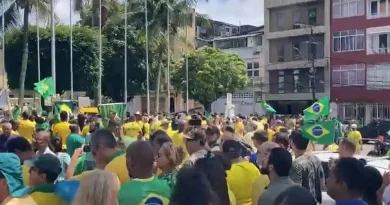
230 11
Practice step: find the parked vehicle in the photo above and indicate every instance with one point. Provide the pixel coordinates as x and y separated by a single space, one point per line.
371 131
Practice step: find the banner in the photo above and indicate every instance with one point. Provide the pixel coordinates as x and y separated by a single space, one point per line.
105 109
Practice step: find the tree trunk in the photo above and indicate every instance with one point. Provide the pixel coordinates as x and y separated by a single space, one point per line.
157 107
23 69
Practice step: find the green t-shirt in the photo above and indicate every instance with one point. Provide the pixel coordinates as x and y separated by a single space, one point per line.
73 141
44 126
144 191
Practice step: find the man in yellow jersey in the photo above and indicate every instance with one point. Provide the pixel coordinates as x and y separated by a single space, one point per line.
239 128
132 129
146 127
138 119
62 129
43 173
165 126
356 137
107 155
12 190
26 127
15 127
156 124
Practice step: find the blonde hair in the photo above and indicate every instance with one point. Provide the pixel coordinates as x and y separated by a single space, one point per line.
174 153
97 188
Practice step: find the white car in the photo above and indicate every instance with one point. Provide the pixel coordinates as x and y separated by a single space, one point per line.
380 163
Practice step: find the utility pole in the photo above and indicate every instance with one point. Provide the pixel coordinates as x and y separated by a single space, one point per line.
312 71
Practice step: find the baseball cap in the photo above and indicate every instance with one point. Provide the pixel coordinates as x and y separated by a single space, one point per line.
46 163
137 113
12 172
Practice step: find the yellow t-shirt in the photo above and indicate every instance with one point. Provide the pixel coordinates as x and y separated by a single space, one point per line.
85 130
178 140
26 129
132 129
26 175
155 126
62 130
356 137
140 123
147 130
117 165
239 129
278 128
258 187
240 179
14 132
232 198
270 134
170 132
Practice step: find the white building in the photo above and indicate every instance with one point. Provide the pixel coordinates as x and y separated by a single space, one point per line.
249 47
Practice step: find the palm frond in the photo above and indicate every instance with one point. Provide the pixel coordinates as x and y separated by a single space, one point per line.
11 14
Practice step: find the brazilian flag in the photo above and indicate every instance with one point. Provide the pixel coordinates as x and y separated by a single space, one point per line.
267 107
320 132
318 109
68 106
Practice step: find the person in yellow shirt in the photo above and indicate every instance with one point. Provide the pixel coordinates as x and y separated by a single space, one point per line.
26 127
166 126
15 127
269 131
279 125
132 128
62 129
239 128
43 173
156 125
356 137
107 156
242 174
146 127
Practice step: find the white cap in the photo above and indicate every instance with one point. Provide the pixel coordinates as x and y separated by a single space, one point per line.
137 113
353 126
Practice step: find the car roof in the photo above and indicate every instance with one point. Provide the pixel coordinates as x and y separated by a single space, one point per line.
380 163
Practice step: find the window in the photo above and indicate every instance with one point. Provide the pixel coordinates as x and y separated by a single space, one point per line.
347 8
352 40
280 20
253 69
297 18
312 16
378 8
379 43
348 75
297 51
281 53
281 82
378 76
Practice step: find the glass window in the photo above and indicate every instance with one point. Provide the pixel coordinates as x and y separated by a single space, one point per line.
374 7
348 8
351 40
256 65
336 10
256 73
249 66
312 16
348 75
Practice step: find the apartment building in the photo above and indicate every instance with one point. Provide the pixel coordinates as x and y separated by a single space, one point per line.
295 32
360 58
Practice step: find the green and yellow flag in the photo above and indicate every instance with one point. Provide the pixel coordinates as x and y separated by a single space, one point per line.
45 87
320 132
68 106
267 107
318 109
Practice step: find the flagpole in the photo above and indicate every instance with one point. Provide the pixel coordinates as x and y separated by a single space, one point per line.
53 46
147 57
71 50
125 63
38 44
100 53
187 93
3 43
168 64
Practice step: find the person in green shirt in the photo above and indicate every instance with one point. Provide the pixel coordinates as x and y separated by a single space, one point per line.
143 187
74 140
41 124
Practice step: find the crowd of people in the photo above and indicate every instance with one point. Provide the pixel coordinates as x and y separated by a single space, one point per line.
179 159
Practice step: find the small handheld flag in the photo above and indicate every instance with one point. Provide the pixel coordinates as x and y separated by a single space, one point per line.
267 107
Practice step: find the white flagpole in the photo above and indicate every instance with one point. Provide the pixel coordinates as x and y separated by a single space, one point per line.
187 93
38 44
100 53
3 43
53 46
71 50
125 63
147 57
168 109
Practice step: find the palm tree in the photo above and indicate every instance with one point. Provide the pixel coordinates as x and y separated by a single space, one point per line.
12 19
86 7
181 13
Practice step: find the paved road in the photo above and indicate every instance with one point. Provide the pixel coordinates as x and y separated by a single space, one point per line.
366 148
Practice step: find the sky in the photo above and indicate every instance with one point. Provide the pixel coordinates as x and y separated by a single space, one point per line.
229 11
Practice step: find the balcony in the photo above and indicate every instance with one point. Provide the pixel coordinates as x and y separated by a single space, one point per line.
295 32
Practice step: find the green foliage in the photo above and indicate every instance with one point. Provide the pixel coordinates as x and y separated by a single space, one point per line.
211 74
113 80
85 57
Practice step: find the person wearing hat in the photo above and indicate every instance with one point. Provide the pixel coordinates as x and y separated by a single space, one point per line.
138 119
12 189
356 137
196 143
44 172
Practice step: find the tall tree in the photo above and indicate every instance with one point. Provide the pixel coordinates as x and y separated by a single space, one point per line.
11 14
212 74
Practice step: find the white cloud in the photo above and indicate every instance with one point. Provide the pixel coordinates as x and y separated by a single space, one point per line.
229 11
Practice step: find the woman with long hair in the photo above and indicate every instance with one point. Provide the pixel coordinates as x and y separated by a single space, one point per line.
193 188
169 157
98 188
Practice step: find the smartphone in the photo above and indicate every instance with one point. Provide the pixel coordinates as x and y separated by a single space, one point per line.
87 148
